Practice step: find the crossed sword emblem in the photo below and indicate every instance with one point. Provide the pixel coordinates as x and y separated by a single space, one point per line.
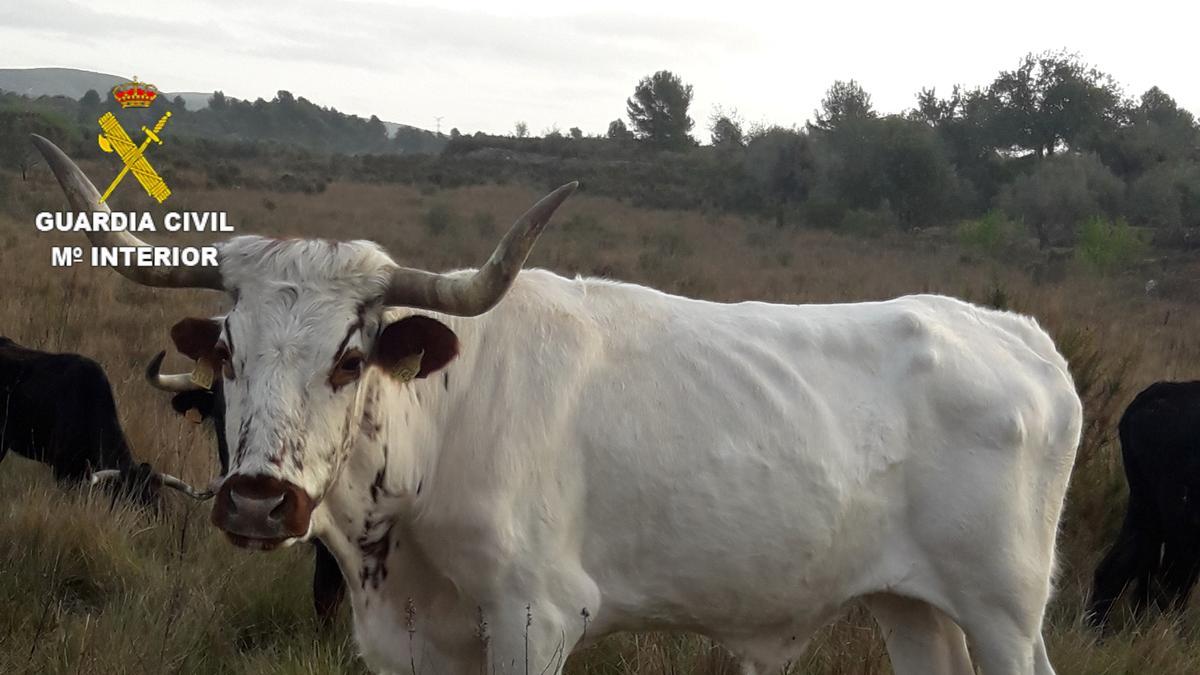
114 138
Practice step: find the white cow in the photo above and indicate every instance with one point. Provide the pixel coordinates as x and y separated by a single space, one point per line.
503 487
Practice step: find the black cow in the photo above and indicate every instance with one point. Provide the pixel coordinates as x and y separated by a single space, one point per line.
58 409
199 405
1157 553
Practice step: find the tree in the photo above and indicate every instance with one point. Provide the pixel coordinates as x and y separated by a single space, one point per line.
521 130
890 164
1060 194
1166 196
1053 100
780 162
658 111
576 133
843 101
89 107
1157 131
178 102
217 101
964 123
726 130
376 134
15 127
617 131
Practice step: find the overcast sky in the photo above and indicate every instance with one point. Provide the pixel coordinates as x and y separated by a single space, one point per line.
485 64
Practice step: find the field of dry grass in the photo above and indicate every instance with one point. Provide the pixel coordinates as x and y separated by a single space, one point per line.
85 588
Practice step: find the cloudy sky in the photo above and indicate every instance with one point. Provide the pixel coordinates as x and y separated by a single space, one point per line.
485 64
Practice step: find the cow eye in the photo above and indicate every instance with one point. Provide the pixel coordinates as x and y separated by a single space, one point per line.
224 359
348 368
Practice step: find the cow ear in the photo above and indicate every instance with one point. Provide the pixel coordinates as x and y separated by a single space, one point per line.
196 406
415 346
196 338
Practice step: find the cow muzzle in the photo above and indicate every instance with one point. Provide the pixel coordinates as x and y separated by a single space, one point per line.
261 512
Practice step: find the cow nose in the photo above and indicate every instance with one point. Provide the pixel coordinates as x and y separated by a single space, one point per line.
259 511
254 509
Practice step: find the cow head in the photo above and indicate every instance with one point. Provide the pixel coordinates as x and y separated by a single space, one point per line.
306 322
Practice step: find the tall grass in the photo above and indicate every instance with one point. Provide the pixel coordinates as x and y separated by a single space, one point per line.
90 588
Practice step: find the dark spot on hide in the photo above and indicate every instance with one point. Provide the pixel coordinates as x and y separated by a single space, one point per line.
374 551
377 485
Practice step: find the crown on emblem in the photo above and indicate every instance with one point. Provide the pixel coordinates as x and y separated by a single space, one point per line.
135 94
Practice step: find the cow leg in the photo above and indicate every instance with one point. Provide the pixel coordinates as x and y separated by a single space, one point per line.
1002 647
921 640
521 638
1181 566
1000 605
1132 560
328 586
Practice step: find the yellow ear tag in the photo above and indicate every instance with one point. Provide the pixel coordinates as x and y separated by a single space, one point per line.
202 374
193 415
408 367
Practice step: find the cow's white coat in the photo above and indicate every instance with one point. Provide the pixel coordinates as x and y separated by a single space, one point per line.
607 457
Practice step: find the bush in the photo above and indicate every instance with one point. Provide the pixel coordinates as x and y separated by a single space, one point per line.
1108 245
990 234
1167 196
224 175
1061 192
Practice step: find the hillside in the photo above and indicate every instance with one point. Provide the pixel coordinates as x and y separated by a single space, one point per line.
74 83
69 82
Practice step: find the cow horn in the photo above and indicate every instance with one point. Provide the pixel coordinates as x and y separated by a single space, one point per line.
475 294
176 383
165 479
172 482
84 198
105 475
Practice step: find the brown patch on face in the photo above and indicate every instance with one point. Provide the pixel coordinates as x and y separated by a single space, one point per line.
437 344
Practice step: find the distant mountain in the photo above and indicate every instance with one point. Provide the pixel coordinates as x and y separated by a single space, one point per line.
73 83
194 100
34 82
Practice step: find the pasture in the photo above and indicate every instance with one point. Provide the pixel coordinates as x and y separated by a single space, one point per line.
86 587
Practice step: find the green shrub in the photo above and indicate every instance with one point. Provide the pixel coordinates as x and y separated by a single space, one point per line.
988 235
1108 245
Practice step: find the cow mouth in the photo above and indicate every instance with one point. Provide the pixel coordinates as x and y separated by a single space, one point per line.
259 543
